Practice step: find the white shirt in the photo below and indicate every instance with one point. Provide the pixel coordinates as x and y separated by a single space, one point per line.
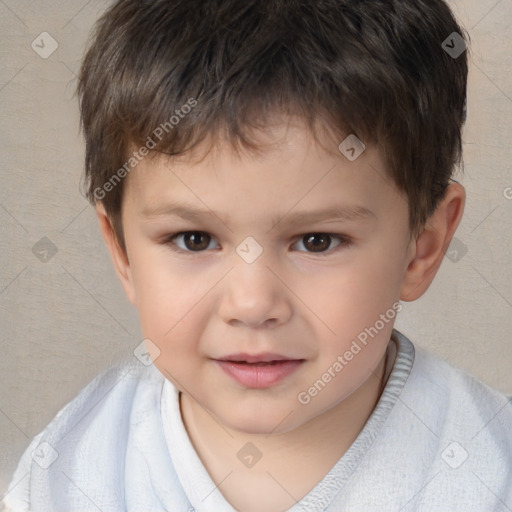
438 440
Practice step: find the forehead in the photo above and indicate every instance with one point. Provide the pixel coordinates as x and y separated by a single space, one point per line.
291 167
285 138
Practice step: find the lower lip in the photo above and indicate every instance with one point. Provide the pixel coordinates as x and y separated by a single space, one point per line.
253 376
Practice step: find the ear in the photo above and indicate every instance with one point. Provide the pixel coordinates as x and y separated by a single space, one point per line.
428 250
118 255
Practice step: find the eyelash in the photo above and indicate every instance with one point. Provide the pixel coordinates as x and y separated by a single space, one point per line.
345 242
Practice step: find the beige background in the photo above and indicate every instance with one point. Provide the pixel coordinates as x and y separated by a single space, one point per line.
64 320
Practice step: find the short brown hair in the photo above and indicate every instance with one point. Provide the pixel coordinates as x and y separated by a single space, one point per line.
373 68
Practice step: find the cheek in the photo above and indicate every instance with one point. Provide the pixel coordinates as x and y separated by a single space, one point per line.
171 322
173 306
164 297
349 302
352 296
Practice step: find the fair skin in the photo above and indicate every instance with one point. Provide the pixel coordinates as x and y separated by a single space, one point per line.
207 302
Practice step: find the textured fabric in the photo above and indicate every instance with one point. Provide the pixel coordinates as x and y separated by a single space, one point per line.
438 440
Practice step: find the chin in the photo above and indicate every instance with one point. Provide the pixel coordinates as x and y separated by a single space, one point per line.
257 423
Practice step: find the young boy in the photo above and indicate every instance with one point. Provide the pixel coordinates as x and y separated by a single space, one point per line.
272 178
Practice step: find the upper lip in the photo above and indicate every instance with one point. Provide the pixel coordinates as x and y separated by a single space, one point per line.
266 357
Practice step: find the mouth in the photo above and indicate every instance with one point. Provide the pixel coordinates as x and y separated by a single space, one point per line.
264 358
259 363
259 371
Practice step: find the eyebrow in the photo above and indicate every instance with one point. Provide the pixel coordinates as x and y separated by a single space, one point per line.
333 214
184 211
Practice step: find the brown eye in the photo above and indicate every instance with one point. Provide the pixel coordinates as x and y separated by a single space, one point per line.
191 241
196 240
317 242
321 242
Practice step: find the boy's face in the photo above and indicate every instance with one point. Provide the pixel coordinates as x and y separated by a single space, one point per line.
203 298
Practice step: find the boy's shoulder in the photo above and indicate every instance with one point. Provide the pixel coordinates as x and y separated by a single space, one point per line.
464 398
114 420
446 441
449 402
123 391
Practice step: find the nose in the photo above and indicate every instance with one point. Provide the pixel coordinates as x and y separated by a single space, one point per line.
253 295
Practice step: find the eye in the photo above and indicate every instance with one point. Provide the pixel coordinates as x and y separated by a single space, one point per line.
321 242
193 241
